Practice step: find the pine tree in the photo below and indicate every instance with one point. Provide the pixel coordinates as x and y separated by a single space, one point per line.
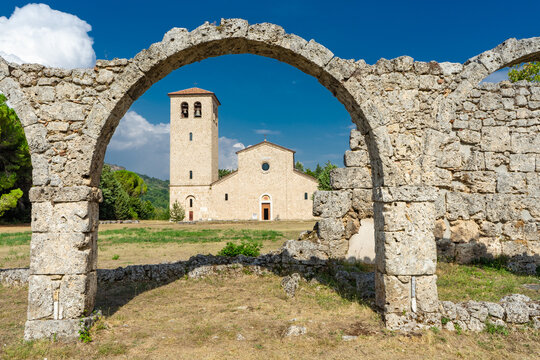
177 212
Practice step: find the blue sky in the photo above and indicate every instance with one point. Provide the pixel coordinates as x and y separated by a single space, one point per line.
262 94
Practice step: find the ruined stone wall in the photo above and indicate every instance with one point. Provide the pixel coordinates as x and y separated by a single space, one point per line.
486 172
404 111
490 203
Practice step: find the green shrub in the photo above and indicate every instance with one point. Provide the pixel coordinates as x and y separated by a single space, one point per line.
495 329
177 212
246 248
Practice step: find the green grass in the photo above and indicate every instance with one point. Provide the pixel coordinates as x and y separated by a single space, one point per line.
20 238
481 283
149 235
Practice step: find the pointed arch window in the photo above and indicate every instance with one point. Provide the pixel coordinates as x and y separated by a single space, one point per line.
198 109
184 110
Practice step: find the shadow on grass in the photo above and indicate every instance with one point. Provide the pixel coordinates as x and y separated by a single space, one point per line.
354 282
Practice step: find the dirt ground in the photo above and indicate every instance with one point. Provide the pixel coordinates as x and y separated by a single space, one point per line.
245 317
234 317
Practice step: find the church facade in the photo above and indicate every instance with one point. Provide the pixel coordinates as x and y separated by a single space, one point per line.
266 186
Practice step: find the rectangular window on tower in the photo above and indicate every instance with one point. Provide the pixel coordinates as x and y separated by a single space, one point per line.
226 197
190 174
305 196
190 136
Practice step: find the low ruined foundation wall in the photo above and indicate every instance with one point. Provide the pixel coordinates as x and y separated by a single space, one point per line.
302 257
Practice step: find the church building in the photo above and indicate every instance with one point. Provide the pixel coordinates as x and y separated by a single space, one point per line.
266 186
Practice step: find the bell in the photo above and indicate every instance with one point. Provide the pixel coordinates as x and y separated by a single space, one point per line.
197 112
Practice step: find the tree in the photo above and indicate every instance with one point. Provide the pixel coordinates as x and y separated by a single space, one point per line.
122 191
177 212
15 166
131 182
223 172
9 201
324 175
116 201
527 71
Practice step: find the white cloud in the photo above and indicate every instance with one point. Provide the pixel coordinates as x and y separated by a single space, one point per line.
143 147
134 132
266 132
36 33
140 146
227 152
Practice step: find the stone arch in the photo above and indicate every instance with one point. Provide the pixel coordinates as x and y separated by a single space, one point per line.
34 131
180 47
405 264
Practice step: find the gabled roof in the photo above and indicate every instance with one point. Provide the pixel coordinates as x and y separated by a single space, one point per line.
194 91
267 143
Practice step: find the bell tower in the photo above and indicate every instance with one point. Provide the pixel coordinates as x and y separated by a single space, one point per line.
194 138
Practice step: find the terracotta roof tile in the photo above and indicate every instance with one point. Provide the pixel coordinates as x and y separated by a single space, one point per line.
194 91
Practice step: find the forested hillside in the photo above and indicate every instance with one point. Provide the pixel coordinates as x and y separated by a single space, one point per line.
158 191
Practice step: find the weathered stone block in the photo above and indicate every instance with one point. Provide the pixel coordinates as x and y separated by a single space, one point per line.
404 216
63 253
393 293
68 217
522 162
517 312
77 295
356 158
330 229
65 330
511 183
350 178
503 207
413 194
427 299
406 253
523 143
65 194
477 181
464 231
357 141
464 205
362 203
495 138
42 290
331 203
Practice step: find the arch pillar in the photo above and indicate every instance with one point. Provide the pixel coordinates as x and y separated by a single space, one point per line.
406 255
62 283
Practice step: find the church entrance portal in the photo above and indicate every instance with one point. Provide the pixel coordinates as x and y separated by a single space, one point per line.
265 211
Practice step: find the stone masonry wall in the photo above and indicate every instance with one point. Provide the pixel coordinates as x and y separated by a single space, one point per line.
488 181
490 204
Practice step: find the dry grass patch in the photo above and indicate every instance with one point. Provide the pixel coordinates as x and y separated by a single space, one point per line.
202 319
